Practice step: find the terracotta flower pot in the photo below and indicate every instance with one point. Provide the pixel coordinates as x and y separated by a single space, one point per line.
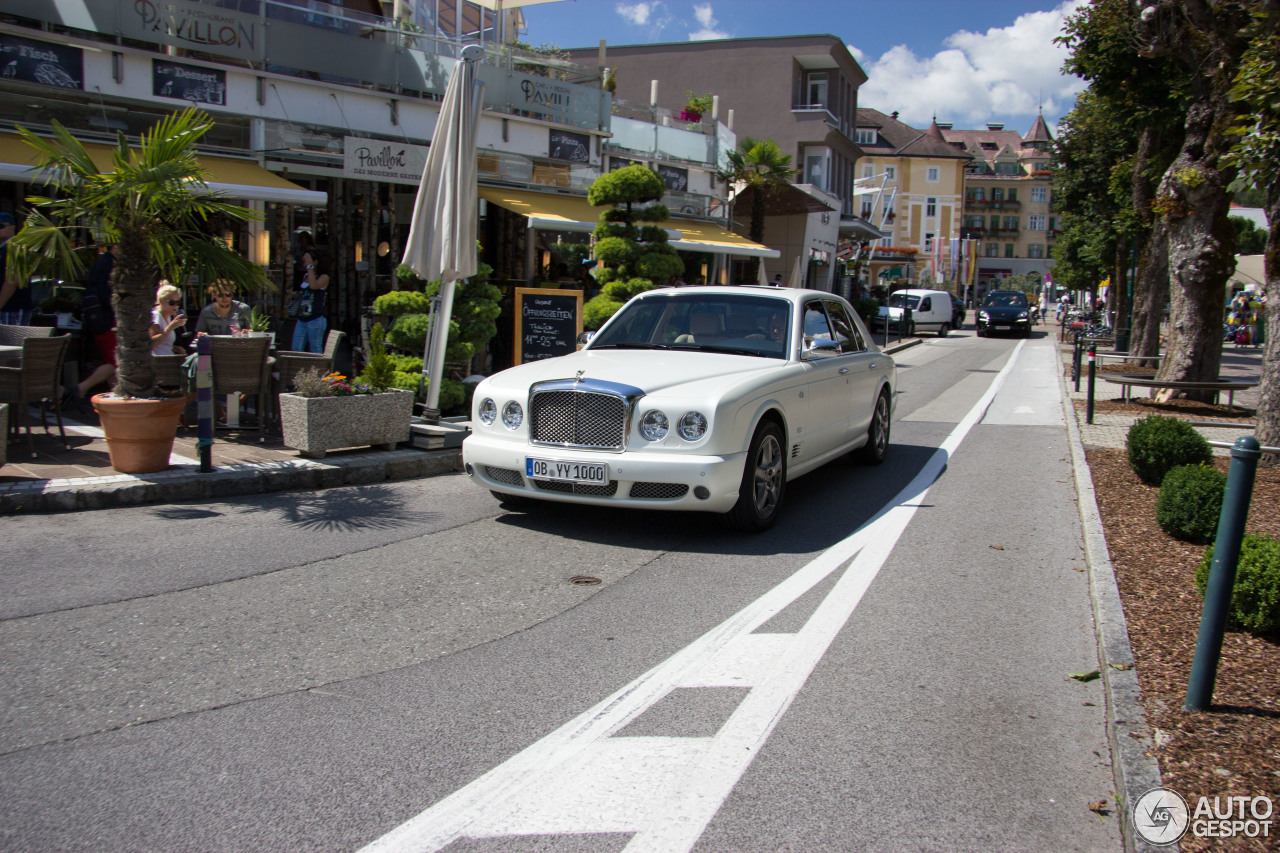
139 432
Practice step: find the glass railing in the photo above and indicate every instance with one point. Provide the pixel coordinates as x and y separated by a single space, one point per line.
319 41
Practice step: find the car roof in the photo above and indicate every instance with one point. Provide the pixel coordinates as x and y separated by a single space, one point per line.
791 294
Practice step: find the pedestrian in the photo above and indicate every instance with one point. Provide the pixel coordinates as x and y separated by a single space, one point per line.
777 280
225 315
1044 307
16 306
166 319
98 320
308 334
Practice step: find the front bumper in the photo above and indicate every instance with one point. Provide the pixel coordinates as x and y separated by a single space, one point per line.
999 324
649 480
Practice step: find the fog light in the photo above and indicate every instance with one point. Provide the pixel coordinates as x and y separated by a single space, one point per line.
701 492
470 471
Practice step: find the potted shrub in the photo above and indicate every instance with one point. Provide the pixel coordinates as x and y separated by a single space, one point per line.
154 205
326 412
260 324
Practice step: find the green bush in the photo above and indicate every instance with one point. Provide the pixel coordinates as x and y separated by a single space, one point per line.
868 309
1157 444
1255 596
1190 502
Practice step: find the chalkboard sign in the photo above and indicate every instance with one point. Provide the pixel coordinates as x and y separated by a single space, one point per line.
40 62
567 145
188 82
674 177
616 163
548 323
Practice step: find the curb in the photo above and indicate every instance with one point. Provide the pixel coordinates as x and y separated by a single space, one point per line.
1132 745
186 483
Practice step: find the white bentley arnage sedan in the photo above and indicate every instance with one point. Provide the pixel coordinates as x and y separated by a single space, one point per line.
693 398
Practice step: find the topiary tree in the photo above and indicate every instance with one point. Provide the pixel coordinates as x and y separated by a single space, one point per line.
631 255
475 308
1190 502
1255 594
1157 444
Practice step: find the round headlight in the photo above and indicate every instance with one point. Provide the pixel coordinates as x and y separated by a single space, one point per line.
488 411
512 415
654 425
692 426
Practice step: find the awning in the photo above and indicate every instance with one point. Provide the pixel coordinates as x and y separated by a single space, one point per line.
546 212
234 178
697 236
572 213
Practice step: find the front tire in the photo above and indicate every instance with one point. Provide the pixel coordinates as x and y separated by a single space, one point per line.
764 482
877 446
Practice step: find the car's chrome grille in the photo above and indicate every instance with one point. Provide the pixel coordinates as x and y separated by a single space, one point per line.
606 491
658 491
584 419
506 476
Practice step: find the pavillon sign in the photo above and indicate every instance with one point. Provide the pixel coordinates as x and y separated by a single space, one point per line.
379 160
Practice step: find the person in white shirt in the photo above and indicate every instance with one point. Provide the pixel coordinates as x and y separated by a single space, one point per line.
166 319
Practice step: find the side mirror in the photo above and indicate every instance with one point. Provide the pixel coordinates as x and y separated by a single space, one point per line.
585 337
821 348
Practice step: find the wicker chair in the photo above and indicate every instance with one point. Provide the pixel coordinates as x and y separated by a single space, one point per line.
13 336
331 343
36 381
240 366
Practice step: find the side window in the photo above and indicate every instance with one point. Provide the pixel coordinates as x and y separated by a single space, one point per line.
816 327
846 330
926 305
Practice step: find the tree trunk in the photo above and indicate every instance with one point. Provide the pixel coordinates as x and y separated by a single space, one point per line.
1269 400
1150 291
133 285
1194 201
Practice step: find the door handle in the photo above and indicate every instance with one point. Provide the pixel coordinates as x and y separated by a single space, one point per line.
872 365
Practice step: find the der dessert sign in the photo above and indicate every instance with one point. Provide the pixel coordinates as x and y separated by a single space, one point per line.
548 323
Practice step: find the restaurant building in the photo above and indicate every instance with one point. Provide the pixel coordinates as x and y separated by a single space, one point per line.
324 115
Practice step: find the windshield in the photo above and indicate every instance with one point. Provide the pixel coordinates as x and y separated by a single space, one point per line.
1011 300
729 323
912 301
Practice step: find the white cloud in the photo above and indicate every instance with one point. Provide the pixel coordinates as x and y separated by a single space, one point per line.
650 14
702 12
1006 71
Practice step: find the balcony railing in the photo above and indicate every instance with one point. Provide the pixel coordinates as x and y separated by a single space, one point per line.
312 39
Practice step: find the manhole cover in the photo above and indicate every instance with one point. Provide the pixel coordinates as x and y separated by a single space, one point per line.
584 580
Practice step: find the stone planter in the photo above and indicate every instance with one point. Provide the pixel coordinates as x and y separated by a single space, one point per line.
315 425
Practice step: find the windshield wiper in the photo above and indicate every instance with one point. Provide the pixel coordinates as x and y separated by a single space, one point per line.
631 345
729 350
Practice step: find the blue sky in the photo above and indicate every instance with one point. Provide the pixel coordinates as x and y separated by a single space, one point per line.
965 62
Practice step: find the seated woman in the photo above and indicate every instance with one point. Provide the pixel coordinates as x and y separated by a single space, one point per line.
225 315
166 320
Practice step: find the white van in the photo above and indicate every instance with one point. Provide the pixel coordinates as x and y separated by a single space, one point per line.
931 311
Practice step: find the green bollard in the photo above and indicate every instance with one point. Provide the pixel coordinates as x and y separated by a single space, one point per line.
1093 374
1222 572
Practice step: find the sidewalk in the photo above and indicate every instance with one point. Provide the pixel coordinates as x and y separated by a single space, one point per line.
82 477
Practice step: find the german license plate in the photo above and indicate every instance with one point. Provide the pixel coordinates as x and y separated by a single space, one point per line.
586 473
1004 327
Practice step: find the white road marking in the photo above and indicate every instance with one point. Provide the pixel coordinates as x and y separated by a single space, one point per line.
579 779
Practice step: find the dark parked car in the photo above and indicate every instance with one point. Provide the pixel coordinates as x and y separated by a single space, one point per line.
957 312
1005 311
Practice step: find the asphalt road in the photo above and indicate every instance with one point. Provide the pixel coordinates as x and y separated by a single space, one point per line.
408 667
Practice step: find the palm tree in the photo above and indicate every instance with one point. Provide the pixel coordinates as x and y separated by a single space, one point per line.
153 204
761 165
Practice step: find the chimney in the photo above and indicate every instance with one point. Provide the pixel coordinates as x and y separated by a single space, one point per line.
894 115
995 125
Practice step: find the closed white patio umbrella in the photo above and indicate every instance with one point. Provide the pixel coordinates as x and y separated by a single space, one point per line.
442 232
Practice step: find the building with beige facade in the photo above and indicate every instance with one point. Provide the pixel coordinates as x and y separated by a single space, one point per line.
1008 207
911 185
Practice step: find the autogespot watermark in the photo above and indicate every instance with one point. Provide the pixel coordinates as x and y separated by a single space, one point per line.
1161 816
